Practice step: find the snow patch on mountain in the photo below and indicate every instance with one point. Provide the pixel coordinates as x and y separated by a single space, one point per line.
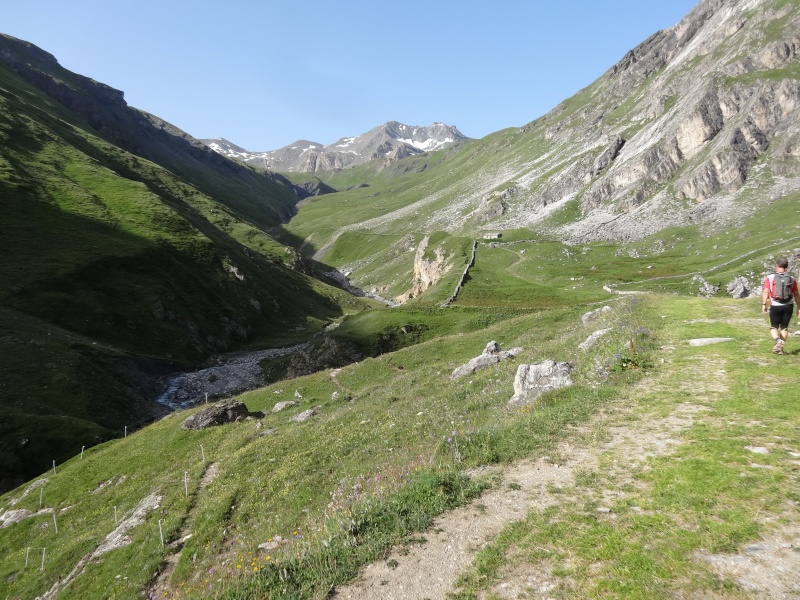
389 141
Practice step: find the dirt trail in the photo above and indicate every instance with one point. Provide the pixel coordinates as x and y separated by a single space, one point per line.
162 581
620 438
430 570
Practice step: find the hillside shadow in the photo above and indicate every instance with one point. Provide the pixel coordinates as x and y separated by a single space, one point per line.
125 310
312 266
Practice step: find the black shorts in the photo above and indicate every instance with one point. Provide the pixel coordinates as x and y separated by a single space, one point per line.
779 316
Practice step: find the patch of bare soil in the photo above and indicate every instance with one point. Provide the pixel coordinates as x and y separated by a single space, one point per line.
337 383
768 569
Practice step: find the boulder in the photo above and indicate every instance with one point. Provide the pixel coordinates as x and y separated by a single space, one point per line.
705 289
475 364
491 355
709 341
739 288
533 380
226 411
281 405
304 416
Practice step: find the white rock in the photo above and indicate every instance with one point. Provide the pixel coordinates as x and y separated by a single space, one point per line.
709 341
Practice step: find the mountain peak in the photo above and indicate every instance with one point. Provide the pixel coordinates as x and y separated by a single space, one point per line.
391 141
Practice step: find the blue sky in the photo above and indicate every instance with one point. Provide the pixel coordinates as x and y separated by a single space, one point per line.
264 74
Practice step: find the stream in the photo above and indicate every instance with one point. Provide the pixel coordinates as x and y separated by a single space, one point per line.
230 374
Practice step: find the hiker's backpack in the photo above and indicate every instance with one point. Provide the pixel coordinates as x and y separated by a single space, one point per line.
782 287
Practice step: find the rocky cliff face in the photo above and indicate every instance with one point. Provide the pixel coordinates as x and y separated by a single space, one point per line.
429 267
390 141
705 100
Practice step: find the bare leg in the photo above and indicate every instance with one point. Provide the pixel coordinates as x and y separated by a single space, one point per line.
779 337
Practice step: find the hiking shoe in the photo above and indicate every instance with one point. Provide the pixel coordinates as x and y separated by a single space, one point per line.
778 347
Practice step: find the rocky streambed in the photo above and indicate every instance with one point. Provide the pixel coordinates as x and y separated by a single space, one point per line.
230 374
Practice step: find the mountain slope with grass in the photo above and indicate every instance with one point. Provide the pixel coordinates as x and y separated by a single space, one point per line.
260 198
118 267
637 480
603 235
695 128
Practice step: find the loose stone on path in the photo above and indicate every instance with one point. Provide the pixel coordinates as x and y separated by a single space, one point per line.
709 341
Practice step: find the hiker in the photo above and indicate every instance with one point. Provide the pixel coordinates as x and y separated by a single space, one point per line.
779 289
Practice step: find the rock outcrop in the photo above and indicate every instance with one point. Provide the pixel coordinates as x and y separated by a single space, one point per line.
593 338
534 380
220 413
705 289
429 268
491 355
592 315
739 288
303 416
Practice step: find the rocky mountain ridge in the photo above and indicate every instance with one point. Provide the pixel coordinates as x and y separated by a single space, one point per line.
674 131
390 141
699 124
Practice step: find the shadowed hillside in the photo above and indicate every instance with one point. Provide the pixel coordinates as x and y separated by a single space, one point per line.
126 251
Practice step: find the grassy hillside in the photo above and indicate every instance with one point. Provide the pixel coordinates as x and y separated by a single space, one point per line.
398 437
115 269
392 437
260 198
128 250
281 483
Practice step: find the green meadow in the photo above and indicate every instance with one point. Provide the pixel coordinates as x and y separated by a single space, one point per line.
297 507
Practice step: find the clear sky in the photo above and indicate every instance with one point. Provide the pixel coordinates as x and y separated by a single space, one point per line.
263 74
